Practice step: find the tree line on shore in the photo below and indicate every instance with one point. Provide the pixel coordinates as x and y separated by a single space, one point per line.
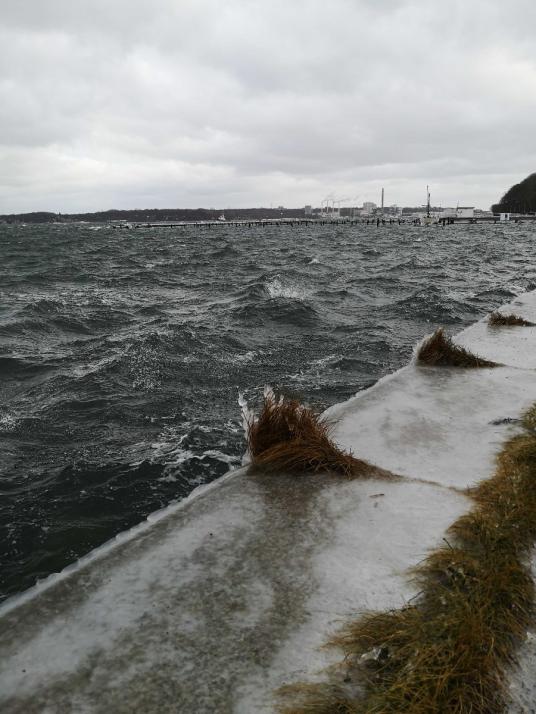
150 215
520 198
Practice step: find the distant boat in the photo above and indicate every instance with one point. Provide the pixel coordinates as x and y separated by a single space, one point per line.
222 217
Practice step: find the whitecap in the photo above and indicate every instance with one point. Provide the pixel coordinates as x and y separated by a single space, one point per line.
248 416
168 478
8 422
277 289
323 361
219 456
246 357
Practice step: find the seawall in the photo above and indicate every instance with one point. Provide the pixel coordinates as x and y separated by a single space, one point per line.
217 601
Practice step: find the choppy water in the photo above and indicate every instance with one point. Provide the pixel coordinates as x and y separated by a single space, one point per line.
122 353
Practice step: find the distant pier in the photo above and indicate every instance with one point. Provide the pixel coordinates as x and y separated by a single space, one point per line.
262 223
520 218
293 222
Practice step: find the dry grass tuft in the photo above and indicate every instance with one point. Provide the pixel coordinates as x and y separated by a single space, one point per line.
290 437
448 651
497 319
438 350
529 419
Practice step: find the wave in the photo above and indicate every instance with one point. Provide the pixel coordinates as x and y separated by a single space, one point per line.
349 364
25 327
432 304
225 251
502 293
54 319
276 288
273 299
8 422
244 358
43 306
273 287
413 263
333 292
278 310
250 293
19 367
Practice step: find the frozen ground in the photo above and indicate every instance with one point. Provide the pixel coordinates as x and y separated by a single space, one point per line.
230 594
438 424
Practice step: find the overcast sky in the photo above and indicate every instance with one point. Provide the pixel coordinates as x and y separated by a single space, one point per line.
188 103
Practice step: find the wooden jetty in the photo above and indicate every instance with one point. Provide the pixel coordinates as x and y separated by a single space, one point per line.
262 223
293 222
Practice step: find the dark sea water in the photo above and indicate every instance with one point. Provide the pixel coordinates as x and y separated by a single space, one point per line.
122 353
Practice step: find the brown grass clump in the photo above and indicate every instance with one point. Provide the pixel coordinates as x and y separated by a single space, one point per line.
449 650
290 437
438 350
529 419
497 319
318 699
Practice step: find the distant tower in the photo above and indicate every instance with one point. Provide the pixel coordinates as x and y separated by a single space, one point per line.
383 191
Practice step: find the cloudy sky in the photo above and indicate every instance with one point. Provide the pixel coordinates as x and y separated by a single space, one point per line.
187 103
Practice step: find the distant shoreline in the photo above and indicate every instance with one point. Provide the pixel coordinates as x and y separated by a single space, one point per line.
184 214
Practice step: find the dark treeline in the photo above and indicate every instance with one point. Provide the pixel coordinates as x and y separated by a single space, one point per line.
156 214
37 217
521 198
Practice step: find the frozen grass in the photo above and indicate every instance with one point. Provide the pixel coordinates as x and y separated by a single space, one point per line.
438 350
448 651
288 436
529 420
497 319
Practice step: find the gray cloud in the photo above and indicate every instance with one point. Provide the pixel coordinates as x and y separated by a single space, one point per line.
198 102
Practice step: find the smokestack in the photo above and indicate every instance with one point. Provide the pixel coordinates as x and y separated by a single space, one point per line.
382 198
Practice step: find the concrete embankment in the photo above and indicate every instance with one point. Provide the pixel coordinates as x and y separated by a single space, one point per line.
221 599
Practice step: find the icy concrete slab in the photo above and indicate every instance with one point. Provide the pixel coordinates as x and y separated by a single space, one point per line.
447 424
523 305
513 346
222 601
434 423
495 343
